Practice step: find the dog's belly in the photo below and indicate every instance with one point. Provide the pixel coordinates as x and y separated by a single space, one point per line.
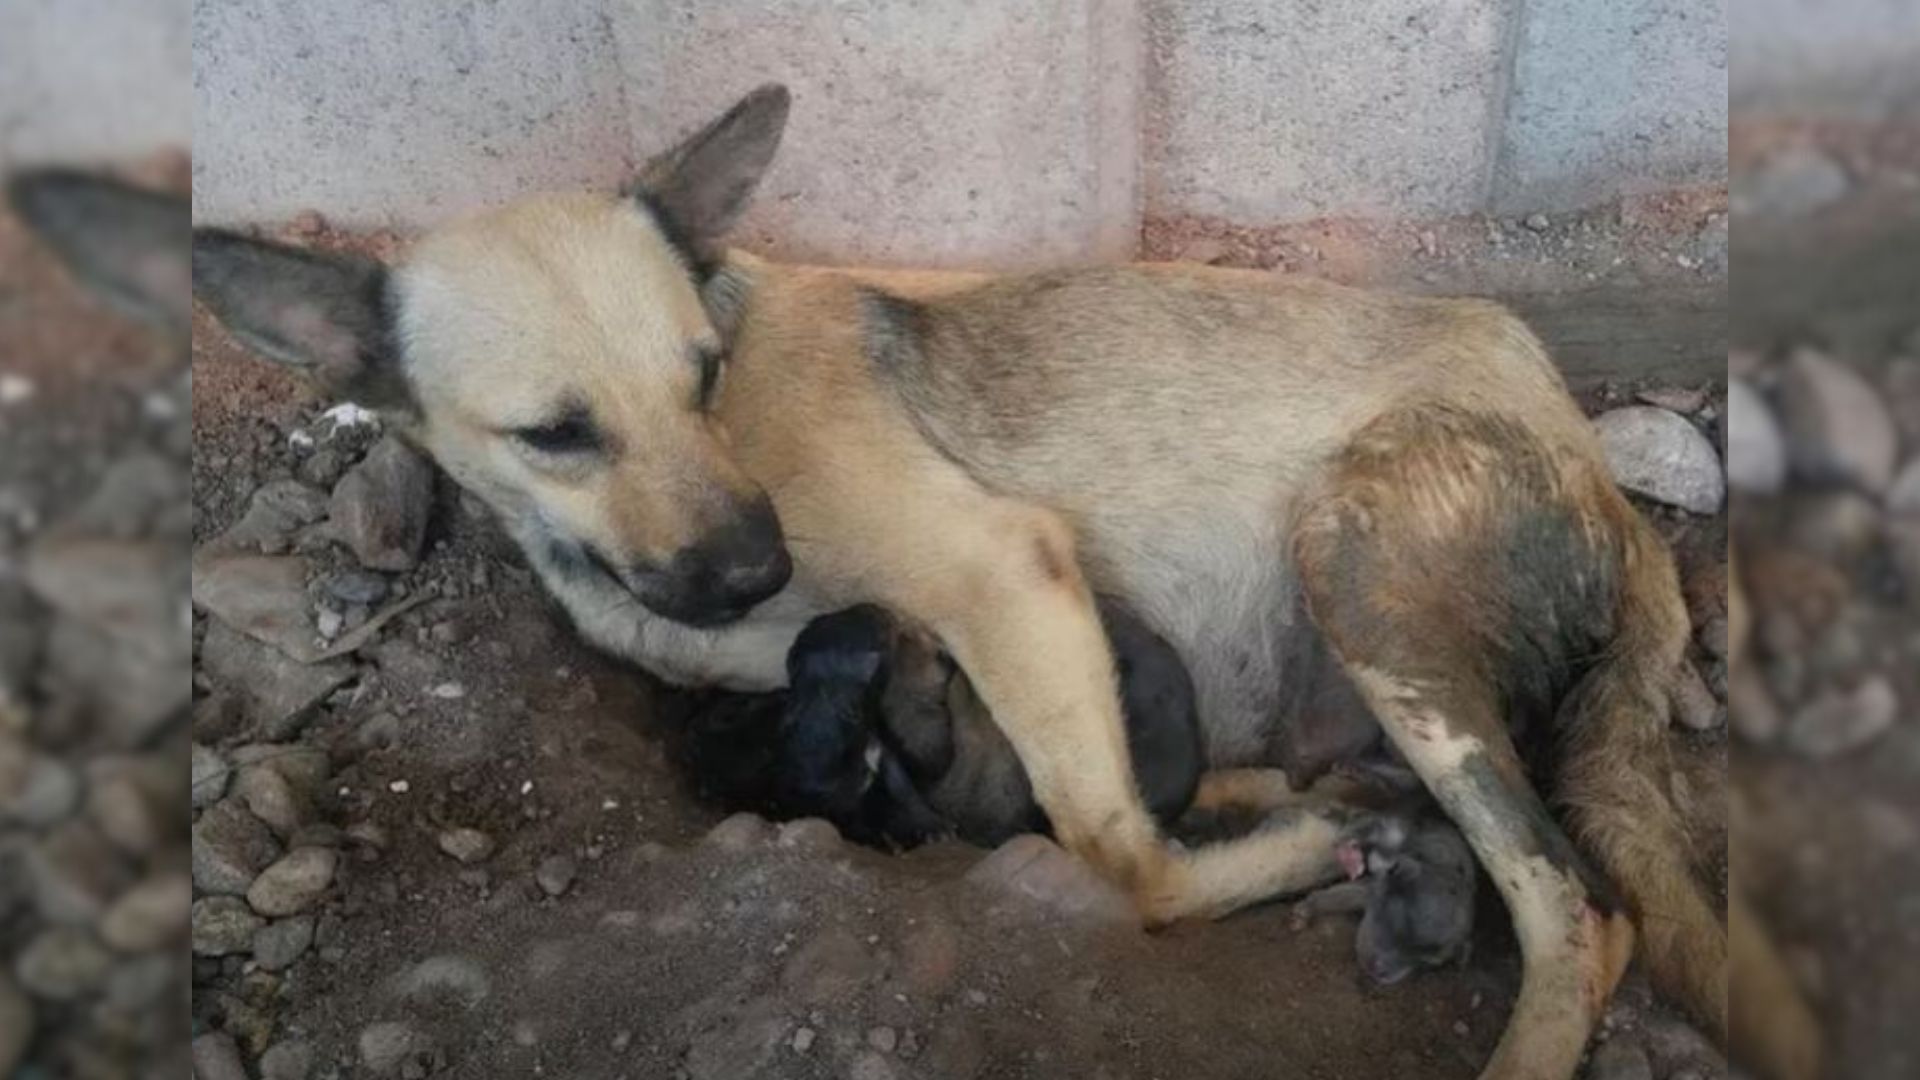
1224 594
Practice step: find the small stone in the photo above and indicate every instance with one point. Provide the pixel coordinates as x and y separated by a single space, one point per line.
356 586
803 1040
380 508
1839 721
555 874
468 846
141 982
1756 447
1838 429
813 835
1658 454
448 977
883 1039
223 926
741 832
48 794
290 1060
135 800
1685 400
268 794
217 1057
17 1019
278 510
295 883
210 776
1620 1059
64 963
1034 869
1537 222
230 848
151 915
280 944
389 1048
1205 250
75 873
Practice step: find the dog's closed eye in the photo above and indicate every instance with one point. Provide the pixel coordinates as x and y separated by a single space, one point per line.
573 433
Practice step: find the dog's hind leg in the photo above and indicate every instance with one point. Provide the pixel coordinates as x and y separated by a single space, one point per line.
1460 585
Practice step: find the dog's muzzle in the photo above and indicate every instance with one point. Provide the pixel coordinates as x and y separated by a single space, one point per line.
723 576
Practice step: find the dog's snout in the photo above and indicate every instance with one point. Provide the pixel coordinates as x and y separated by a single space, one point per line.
724 574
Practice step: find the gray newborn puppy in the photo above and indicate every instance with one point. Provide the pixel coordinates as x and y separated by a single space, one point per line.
1416 897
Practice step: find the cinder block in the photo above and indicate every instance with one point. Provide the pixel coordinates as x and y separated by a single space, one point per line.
377 112
1850 56
1622 97
1268 112
940 132
92 80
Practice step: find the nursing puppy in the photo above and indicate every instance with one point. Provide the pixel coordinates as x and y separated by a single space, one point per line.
880 734
701 451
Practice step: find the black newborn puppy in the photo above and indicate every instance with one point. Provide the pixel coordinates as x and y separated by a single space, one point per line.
1417 897
879 733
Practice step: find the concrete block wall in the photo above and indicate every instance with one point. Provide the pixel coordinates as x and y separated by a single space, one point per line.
86 80
959 132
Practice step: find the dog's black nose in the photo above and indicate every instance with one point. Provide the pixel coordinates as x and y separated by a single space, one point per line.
746 559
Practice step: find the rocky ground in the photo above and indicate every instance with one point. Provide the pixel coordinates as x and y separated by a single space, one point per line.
433 835
1825 415
95 531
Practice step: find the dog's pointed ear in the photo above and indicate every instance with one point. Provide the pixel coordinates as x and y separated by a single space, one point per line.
326 315
127 244
698 189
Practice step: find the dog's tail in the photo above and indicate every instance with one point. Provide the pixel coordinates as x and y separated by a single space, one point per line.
1615 783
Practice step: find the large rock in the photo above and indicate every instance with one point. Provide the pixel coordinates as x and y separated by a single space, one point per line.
1838 427
277 694
380 508
1756 447
1658 454
295 883
230 849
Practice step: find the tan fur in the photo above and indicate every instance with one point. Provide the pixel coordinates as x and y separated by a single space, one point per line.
1223 449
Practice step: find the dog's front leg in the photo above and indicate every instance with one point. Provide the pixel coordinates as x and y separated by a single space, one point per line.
1020 620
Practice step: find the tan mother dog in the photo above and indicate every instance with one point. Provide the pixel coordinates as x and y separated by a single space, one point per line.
1280 475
